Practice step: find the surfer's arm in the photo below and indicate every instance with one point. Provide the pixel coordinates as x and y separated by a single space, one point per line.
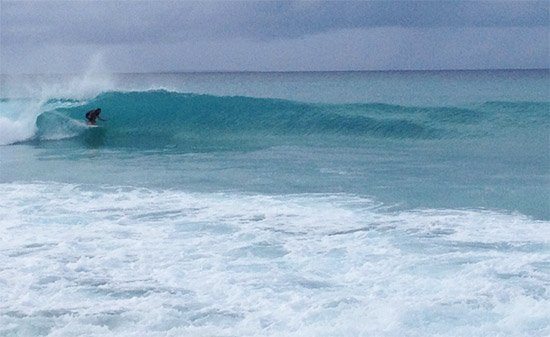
101 119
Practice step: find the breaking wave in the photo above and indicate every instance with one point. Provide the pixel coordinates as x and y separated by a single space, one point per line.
161 118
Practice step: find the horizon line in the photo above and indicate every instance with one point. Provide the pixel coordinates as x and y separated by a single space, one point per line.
283 71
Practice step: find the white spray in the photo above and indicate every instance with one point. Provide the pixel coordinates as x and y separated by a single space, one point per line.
18 115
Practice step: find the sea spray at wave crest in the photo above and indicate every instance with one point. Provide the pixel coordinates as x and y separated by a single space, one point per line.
160 118
20 109
18 119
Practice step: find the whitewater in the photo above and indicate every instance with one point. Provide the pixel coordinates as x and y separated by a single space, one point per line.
276 204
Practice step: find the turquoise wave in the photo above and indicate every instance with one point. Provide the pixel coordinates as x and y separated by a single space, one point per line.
162 118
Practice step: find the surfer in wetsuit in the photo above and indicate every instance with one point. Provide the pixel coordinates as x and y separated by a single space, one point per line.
92 115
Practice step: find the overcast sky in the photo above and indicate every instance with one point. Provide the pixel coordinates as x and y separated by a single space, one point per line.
147 36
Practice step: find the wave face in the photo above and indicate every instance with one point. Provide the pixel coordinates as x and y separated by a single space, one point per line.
162 118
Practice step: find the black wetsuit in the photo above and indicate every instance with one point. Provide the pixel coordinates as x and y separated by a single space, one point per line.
92 115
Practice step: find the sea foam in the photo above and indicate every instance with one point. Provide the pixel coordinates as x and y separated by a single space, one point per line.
89 260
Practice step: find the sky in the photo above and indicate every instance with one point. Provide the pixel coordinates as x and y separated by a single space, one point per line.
161 36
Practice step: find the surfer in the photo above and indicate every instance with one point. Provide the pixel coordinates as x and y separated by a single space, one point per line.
92 115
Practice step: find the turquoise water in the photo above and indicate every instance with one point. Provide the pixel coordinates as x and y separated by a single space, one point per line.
415 203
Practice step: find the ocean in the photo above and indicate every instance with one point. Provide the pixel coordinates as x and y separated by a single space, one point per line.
392 203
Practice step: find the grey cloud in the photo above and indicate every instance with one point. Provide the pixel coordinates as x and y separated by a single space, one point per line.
61 36
127 22
381 48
